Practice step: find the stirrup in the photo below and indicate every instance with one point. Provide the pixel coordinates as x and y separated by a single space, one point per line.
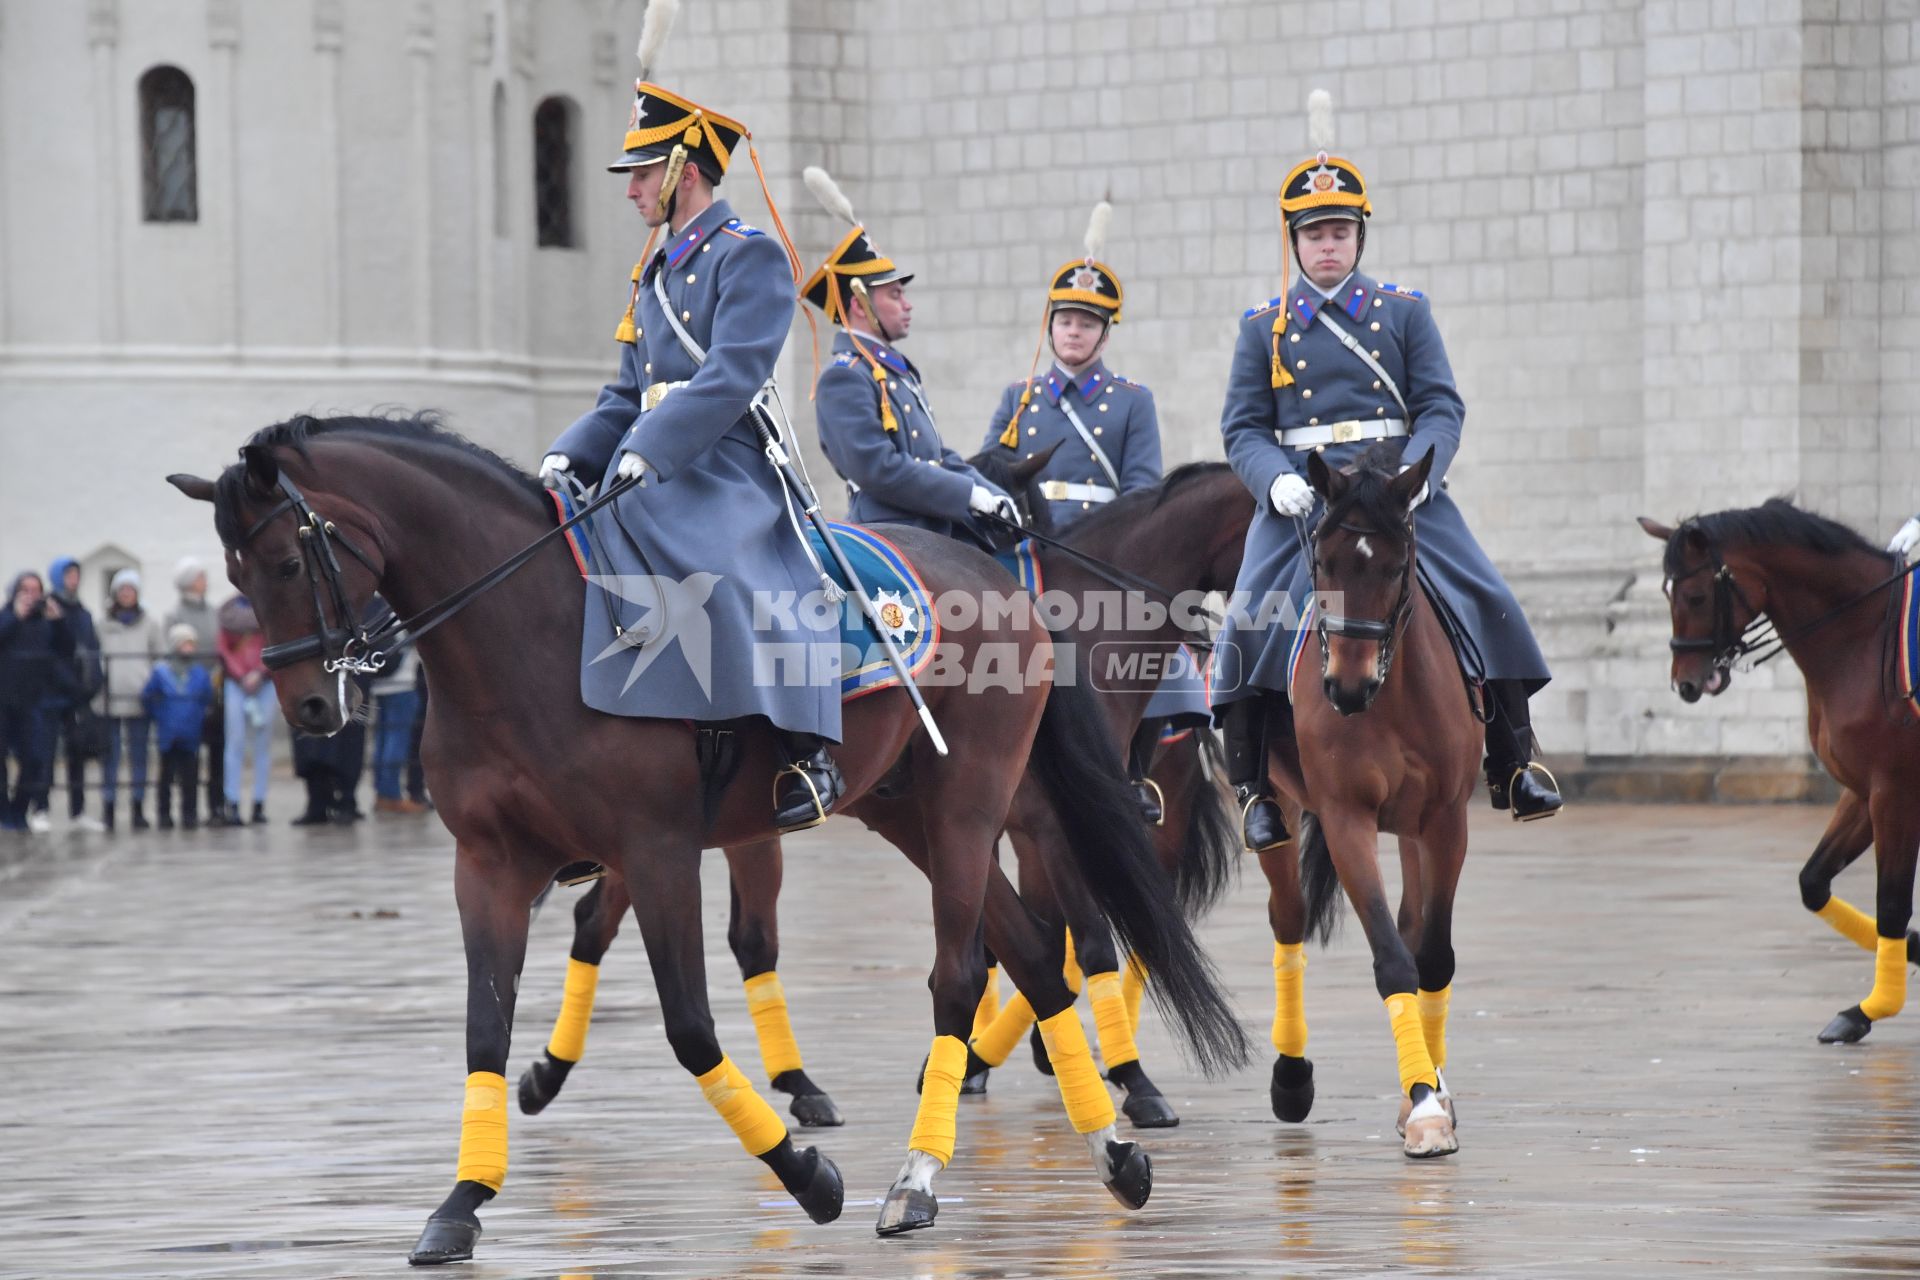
1281 817
1553 783
578 873
819 807
1159 799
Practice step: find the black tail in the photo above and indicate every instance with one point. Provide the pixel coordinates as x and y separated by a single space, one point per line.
1210 846
1079 767
1319 882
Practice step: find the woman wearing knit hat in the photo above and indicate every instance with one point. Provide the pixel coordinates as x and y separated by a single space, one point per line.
130 643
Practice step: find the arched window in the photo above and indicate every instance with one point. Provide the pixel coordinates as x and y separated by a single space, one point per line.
553 166
168 185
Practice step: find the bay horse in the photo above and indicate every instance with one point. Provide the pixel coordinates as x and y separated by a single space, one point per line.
528 780
1834 601
1385 740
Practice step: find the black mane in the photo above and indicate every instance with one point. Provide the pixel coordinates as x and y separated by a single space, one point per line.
1775 523
1182 476
299 432
1368 493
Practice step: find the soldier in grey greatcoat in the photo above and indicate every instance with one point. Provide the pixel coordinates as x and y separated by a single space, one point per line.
874 420
1105 441
707 315
1336 363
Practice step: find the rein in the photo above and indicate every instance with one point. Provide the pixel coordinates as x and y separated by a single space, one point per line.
362 649
1102 569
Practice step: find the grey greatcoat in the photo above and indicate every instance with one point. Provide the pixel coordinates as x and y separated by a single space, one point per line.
1118 415
906 474
711 521
1332 385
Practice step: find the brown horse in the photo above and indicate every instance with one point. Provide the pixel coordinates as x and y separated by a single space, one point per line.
1826 592
319 515
1385 741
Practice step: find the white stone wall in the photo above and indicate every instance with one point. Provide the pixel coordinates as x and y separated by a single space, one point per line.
1672 244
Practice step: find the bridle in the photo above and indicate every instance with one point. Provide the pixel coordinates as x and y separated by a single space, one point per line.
1727 643
1384 631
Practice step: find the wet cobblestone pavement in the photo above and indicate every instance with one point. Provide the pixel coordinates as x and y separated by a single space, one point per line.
240 1054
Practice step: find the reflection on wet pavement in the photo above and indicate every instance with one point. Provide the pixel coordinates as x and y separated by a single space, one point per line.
240 1054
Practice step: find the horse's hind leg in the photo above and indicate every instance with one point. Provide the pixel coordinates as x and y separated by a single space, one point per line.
596 919
494 893
1291 1090
1896 840
663 878
753 934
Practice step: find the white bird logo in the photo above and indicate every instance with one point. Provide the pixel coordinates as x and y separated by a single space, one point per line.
671 609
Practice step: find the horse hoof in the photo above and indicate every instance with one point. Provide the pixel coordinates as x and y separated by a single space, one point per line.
816 1111
1041 1062
1149 1111
975 1084
1132 1180
906 1209
1406 1110
445 1240
1430 1137
1292 1090
1849 1026
535 1090
824 1194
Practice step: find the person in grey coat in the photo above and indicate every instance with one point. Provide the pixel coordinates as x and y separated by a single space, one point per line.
874 420
1297 387
707 314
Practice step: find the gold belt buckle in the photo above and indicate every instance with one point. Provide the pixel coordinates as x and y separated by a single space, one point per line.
1346 432
1053 490
650 398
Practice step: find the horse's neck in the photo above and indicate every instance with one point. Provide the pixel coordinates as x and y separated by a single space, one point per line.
1803 587
1178 543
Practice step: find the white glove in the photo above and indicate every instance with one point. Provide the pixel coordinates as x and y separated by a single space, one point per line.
632 466
551 468
1906 539
1008 512
983 501
1291 496
1426 491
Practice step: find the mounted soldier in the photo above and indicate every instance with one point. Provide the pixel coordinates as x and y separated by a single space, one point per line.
1330 366
875 422
1102 438
707 315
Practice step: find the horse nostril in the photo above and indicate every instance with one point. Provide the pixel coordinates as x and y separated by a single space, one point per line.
313 710
1689 691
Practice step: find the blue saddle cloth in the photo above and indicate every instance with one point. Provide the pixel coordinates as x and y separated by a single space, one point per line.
1907 642
904 607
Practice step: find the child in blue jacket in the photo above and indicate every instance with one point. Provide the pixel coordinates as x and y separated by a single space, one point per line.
176 697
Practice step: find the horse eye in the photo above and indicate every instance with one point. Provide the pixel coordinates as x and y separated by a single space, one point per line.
289 569
1697 600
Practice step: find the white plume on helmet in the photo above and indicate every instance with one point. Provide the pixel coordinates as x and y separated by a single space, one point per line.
1097 225
1319 120
828 193
653 32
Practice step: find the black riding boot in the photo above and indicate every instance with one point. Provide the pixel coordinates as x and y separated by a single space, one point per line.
1146 740
805 791
1262 825
1514 781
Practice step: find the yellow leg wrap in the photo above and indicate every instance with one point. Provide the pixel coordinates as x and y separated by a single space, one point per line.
1889 979
1289 998
1433 1023
746 1112
483 1131
1009 1026
1850 922
1071 970
983 1013
767 1003
935 1123
1089 1107
1403 1013
569 1040
1110 1020
1133 986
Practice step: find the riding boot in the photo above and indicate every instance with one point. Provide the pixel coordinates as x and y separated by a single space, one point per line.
805 791
1516 783
1262 825
1146 740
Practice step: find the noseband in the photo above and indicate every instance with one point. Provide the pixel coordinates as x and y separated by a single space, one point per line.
1384 631
1727 643
348 648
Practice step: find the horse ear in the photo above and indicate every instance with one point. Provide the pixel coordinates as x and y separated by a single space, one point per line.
1655 529
193 486
263 473
1326 482
1027 468
1405 485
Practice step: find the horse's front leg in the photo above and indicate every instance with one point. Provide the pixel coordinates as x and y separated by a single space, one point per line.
753 934
663 878
493 892
1353 841
596 919
1291 1090
1896 840
1435 860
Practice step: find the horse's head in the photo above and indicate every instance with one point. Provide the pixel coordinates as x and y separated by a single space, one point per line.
1711 611
1363 570
309 574
1019 477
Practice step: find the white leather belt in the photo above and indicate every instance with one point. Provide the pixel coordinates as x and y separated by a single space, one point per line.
656 392
1346 432
1061 491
